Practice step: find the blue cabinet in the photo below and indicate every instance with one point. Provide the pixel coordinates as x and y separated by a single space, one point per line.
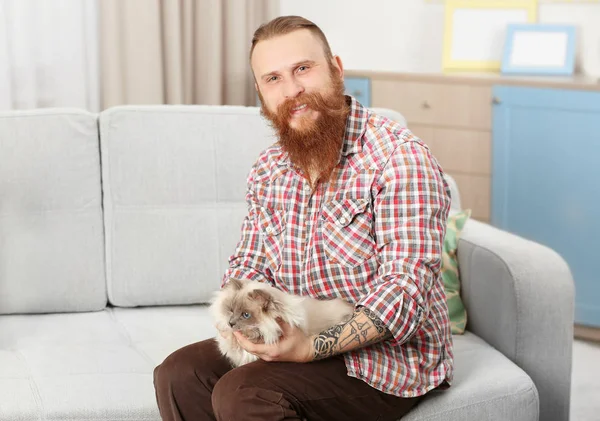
359 88
546 179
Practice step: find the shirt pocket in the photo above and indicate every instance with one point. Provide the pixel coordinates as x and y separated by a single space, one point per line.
347 231
271 225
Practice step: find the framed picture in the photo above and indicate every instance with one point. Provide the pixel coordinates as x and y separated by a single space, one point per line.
475 31
540 49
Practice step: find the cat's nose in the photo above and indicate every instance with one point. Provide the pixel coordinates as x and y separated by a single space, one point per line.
231 323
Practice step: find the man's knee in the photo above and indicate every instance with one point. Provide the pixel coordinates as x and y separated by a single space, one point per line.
224 393
176 368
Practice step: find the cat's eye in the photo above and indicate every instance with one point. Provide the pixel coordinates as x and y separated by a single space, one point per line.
246 315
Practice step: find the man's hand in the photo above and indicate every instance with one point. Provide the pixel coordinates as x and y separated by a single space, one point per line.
293 346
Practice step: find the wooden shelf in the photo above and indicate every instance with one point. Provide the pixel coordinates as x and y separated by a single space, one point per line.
587 333
473 78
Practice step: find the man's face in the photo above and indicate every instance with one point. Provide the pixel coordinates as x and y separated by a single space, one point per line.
302 95
287 66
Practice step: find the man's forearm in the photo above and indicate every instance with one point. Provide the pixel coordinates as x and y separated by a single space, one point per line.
363 329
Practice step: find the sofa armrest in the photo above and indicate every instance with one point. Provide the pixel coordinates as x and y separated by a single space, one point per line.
519 297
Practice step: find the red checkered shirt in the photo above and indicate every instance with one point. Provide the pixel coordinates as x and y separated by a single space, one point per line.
373 236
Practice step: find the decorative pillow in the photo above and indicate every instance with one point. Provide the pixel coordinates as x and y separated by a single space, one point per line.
450 272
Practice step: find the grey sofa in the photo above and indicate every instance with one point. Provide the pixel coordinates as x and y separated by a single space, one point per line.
115 228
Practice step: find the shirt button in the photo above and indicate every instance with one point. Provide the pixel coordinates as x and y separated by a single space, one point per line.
307 188
343 220
269 230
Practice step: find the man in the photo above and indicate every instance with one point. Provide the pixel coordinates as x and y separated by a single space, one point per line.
347 204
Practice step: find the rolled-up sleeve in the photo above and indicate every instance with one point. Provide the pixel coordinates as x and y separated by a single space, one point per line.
411 209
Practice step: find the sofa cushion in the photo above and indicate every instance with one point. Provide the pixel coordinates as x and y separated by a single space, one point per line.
98 366
174 195
51 228
486 386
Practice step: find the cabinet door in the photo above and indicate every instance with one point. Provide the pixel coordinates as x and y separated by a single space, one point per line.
546 179
459 106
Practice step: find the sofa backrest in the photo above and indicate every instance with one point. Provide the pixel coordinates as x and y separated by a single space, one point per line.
174 182
51 228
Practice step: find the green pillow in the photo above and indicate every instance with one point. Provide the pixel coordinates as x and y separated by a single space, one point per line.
450 272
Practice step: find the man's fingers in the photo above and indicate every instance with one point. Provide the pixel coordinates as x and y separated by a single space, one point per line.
262 351
245 343
240 338
286 328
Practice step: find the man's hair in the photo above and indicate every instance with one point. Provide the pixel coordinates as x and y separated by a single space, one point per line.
286 24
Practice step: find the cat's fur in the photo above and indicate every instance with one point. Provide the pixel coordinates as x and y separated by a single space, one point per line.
254 307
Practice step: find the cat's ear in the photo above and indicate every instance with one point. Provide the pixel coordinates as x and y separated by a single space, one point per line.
267 301
234 284
264 298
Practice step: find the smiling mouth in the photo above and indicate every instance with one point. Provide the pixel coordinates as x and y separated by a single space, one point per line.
299 108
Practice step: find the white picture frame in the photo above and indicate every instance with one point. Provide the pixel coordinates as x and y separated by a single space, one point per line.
541 49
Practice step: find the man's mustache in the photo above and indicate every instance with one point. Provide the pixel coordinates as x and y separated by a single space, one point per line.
312 100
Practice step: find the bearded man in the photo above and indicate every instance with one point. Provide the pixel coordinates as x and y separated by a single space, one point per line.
347 204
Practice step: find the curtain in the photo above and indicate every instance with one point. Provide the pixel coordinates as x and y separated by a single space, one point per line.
179 51
49 54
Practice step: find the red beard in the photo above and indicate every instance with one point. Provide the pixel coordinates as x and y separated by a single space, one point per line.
315 145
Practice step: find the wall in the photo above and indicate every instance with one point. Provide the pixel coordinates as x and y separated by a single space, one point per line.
407 35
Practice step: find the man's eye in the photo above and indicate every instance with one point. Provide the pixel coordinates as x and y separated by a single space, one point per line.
246 315
302 68
272 79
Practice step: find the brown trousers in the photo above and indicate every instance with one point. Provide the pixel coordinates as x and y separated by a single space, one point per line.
195 383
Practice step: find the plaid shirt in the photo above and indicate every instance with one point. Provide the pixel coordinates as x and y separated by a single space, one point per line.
373 236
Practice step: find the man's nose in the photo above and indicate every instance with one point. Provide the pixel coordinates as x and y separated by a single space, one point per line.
293 89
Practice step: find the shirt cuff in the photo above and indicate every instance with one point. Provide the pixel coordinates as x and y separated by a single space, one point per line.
398 311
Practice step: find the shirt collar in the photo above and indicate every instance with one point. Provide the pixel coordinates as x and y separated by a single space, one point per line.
355 129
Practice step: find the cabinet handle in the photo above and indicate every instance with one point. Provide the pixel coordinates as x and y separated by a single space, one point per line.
357 93
496 100
426 105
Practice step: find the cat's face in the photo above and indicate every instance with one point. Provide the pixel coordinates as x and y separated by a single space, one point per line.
245 308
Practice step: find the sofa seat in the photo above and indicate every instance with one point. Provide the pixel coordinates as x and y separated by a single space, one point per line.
98 366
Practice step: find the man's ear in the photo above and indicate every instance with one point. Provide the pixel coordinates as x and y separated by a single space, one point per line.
337 63
256 86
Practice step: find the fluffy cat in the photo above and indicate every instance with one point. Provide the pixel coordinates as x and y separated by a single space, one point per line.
253 308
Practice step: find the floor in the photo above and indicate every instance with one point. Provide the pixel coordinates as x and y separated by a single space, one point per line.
585 385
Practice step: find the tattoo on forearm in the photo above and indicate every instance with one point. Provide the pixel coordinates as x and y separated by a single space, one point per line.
325 343
377 323
363 329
